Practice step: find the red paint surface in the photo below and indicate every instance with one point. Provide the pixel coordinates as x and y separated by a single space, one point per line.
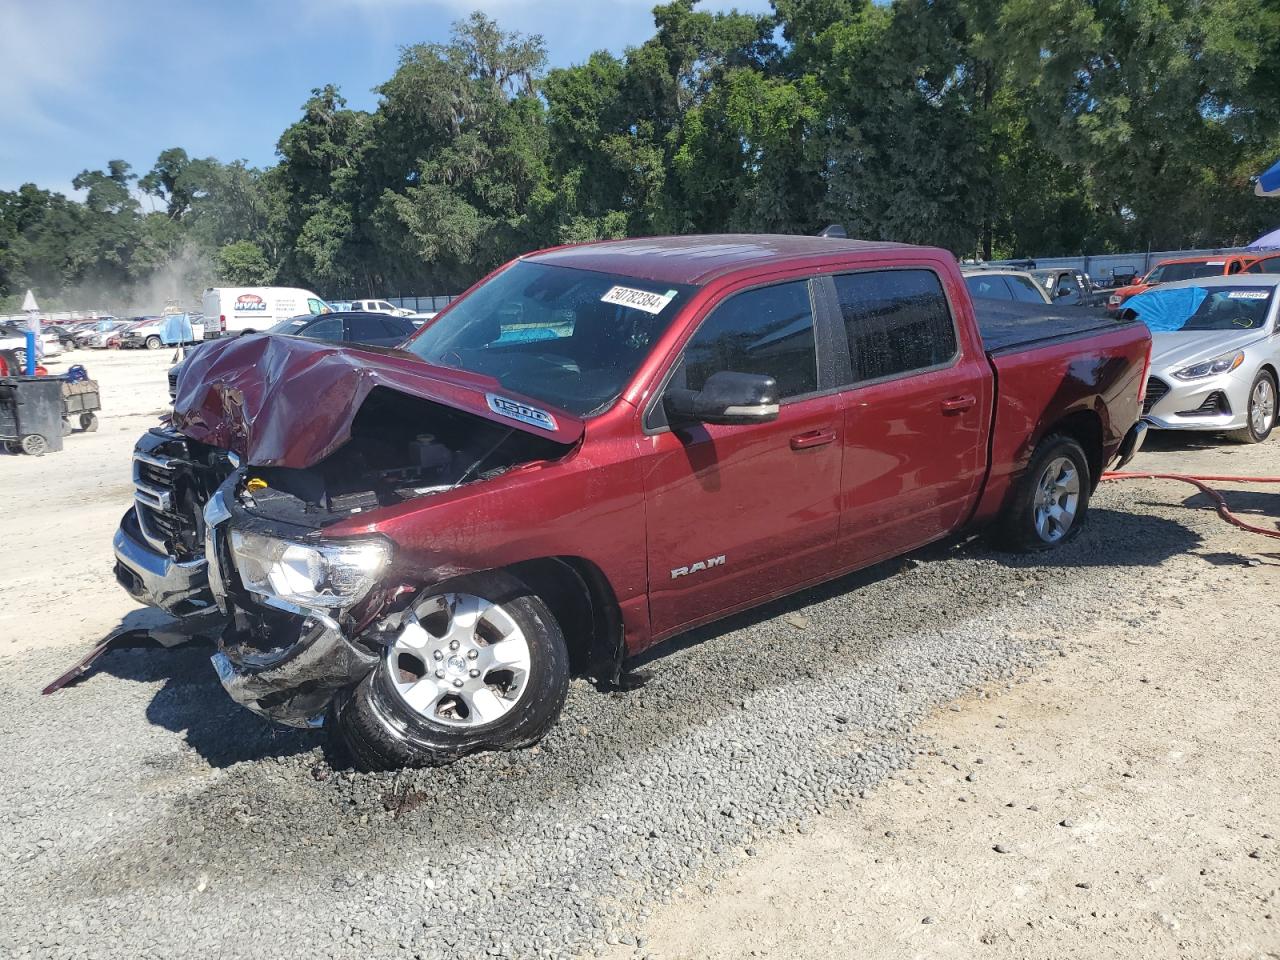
910 460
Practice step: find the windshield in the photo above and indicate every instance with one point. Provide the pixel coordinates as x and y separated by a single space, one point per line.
1169 272
572 338
1188 309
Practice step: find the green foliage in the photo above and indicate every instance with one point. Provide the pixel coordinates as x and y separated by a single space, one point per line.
243 264
989 127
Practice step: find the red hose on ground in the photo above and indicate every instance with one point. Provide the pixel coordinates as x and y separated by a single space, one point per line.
1201 483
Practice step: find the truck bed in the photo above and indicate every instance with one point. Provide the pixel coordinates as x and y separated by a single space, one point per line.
1007 326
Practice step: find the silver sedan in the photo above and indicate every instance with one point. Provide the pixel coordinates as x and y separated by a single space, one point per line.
1215 354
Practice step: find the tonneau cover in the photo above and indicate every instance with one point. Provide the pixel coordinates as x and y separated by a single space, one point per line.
1007 325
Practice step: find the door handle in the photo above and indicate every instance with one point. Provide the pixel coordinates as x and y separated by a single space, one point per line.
814 438
958 404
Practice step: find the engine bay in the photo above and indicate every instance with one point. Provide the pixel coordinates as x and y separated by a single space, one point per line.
401 448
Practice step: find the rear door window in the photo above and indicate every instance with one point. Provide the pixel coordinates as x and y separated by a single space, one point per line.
330 329
1025 289
397 326
989 286
896 322
365 328
764 331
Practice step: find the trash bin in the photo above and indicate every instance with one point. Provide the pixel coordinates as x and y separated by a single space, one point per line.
31 414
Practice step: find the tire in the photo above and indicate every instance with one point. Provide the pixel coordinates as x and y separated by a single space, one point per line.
378 726
13 447
1028 523
20 358
153 343
66 426
1260 417
89 422
34 445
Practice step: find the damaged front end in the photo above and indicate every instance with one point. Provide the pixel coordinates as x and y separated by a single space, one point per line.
310 615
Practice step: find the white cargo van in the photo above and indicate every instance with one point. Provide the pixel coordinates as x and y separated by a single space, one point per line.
229 311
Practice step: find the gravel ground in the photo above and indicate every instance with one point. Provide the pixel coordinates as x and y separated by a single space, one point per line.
147 816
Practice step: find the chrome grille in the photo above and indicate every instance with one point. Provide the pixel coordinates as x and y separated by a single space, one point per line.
154 502
1156 389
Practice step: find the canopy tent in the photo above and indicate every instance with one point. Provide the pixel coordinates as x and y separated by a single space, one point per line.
1271 239
1268 183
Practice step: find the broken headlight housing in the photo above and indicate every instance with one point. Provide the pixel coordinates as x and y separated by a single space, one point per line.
336 573
1210 368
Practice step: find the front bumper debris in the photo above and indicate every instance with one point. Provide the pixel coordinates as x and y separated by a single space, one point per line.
178 587
276 659
294 686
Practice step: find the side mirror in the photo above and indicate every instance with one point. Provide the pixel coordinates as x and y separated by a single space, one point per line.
1063 292
726 398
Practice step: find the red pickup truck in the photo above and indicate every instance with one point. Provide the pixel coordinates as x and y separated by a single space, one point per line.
594 449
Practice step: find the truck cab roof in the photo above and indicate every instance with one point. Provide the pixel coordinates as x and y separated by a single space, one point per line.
700 258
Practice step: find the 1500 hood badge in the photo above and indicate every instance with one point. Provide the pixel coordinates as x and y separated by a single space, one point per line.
520 411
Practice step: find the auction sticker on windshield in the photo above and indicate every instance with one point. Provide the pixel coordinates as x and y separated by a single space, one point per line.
1248 294
644 300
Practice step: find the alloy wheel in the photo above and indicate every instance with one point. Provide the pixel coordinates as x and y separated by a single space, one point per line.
459 660
1057 499
1262 406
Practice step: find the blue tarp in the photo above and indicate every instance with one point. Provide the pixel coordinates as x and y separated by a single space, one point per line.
1165 310
176 329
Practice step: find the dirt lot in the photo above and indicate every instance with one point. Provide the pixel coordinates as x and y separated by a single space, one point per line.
963 755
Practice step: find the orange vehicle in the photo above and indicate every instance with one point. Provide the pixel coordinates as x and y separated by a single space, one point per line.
1270 263
1182 268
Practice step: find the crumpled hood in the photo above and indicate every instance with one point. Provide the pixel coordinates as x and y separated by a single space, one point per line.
285 401
1182 349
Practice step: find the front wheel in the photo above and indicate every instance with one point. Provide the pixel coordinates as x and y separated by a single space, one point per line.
153 343
1261 412
480 666
1051 498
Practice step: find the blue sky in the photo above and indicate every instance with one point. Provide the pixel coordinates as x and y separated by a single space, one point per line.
86 81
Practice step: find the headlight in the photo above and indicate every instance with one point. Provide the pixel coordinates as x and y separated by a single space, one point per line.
334 574
1223 364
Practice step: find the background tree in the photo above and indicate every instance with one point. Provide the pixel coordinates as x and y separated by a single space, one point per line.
994 128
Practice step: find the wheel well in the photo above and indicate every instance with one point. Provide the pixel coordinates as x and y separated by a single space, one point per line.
1085 427
584 604
1271 370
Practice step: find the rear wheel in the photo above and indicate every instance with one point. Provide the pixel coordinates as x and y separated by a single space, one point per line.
1261 414
89 422
479 666
1051 500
